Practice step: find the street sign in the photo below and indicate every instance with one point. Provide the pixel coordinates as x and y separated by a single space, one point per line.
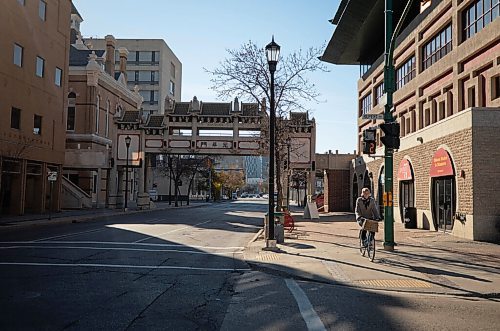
373 116
52 176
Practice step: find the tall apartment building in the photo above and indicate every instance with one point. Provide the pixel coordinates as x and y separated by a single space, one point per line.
447 102
34 50
152 66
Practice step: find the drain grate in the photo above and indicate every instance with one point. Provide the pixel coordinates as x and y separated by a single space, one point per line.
401 283
267 257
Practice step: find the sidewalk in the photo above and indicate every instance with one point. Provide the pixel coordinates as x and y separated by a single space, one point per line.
82 215
327 250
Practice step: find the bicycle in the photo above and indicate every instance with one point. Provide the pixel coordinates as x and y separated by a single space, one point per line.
368 245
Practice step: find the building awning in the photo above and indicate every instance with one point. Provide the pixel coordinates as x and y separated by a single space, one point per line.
360 33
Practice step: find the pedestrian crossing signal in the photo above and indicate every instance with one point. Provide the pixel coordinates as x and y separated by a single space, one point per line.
369 144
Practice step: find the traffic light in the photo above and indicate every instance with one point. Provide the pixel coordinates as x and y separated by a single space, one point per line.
369 144
391 135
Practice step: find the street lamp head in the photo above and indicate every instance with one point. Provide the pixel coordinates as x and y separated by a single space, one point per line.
272 54
127 141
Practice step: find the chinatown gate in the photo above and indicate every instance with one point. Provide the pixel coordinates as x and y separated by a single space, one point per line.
204 128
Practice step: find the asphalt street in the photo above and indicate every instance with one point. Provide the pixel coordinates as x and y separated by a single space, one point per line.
183 269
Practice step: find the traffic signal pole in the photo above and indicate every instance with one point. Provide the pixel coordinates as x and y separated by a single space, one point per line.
389 87
389 73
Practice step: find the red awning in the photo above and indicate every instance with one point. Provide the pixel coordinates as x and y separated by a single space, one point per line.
405 172
441 164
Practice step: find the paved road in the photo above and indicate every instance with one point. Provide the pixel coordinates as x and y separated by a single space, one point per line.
183 269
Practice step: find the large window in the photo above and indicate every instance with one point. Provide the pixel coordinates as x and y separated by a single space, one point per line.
150 97
18 55
437 47
172 69
405 72
366 104
40 66
479 14
15 118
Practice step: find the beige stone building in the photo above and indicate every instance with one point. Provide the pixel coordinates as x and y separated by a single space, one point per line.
153 67
93 175
447 101
34 50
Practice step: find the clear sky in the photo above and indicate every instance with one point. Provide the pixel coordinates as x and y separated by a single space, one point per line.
199 32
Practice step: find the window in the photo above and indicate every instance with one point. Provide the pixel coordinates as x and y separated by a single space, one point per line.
42 10
156 56
172 88
106 133
145 57
131 76
18 55
40 65
495 87
437 47
22 2
58 77
144 76
405 72
379 92
478 15
15 118
97 110
366 104
172 69
70 121
37 124
132 57
155 77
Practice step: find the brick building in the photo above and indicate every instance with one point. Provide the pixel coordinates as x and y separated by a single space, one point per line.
447 101
34 50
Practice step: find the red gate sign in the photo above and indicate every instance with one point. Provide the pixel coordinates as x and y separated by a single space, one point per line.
441 164
404 172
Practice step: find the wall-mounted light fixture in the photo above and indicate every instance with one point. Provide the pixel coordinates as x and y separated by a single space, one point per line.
420 140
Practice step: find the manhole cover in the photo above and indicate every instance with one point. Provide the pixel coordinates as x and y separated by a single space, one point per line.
401 283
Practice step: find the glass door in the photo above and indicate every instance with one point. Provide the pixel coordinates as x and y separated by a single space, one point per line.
444 206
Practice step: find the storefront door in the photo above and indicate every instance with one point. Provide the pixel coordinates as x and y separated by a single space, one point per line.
444 197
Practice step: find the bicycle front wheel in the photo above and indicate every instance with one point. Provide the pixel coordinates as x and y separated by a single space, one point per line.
371 246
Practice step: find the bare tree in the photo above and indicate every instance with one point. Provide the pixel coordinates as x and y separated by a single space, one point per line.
245 74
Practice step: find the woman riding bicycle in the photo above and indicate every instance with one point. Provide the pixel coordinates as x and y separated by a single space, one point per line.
366 208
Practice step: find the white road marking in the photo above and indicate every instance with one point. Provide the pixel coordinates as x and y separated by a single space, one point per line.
307 311
171 231
69 235
123 266
120 249
119 243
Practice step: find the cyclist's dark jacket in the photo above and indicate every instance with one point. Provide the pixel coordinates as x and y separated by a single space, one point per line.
366 208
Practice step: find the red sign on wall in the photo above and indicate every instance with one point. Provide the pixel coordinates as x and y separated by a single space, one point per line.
441 164
404 172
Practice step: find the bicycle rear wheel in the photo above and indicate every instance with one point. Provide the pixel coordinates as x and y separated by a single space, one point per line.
371 245
362 248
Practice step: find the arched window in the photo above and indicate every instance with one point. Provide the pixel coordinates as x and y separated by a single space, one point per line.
71 112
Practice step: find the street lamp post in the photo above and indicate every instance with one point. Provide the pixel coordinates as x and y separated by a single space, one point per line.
272 54
127 144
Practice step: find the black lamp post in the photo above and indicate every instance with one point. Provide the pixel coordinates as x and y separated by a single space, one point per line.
127 144
272 54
